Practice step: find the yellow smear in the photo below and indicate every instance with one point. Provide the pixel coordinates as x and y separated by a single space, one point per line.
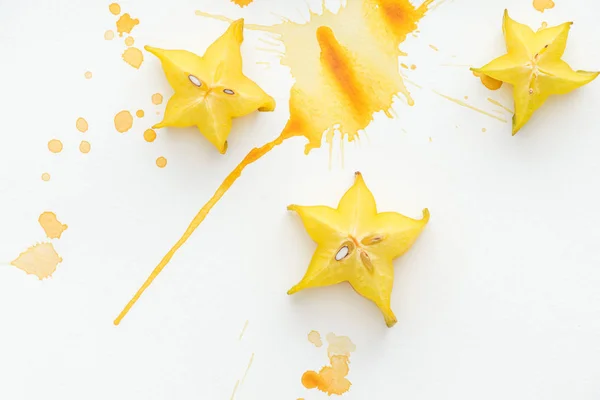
462 103
244 330
543 5
315 338
115 9
242 3
483 130
434 48
109 35
235 388
157 98
125 24
488 82
248 368
161 162
123 121
150 135
55 146
497 103
51 225
40 260
133 56
129 41
139 113
81 124
88 75
45 177
85 147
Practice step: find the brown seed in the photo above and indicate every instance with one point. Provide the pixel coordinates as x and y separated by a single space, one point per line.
372 239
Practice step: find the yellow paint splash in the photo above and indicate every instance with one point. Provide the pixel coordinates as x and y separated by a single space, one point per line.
123 121
345 67
55 146
115 9
242 3
488 82
157 98
161 162
543 5
315 338
109 35
85 147
82 125
51 225
129 41
331 379
150 135
40 260
140 113
133 56
88 75
45 177
125 24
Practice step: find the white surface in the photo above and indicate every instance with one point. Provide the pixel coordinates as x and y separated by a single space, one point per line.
497 299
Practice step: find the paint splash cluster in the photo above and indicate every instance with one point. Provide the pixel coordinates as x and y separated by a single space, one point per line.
41 259
124 25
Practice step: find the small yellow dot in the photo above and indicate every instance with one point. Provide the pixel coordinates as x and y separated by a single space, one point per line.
157 98
413 67
129 41
55 146
109 35
483 130
88 75
139 113
85 147
161 162
82 125
149 135
115 9
45 177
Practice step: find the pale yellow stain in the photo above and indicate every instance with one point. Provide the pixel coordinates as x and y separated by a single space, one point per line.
462 103
125 24
51 225
45 177
40 260
244 329
114 8
81 124
248 367
315 338
434 47
150 135
123 121
109 35
88 75
139 113
133 56
413 67
85 147
483 130
331 379
242 3
161 162
488 82
543 5
55 146
235 388
129 41
404 66
157 98
497 103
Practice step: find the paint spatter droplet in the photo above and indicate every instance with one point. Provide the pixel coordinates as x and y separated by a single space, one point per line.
331 379
129 41
40 260
51 225
150 135
139 113
109 35
45 177
488 82
434 47
133 56
157 98
161 162
413 67
115 9
55 146
125 24
82 125
123 121
88 75
85 147
315 338
544 25
483 130
242 3
543 5
244 329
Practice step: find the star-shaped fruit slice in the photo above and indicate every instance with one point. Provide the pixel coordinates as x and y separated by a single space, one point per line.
211 90
533 66
356 244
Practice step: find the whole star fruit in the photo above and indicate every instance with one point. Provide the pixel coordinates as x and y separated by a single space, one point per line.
533 66
357 244
211 90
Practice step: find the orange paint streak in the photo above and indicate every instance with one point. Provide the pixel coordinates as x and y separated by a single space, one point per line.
242 3
251 157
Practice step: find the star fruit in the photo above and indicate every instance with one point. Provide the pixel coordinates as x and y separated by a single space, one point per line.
533 66
356 244
211 90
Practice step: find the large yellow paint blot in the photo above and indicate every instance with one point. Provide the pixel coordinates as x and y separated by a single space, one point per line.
346 69
51 225
40 260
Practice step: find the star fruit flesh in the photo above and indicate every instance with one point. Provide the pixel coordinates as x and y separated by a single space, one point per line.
211 90
356 244
533 66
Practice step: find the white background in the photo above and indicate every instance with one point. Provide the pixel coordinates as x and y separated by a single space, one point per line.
497 299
